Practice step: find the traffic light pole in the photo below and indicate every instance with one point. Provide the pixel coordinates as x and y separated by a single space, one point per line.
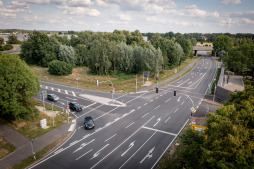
97 83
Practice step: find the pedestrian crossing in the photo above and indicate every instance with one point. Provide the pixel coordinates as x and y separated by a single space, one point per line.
60 90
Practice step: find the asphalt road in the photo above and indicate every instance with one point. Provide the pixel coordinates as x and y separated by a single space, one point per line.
133 136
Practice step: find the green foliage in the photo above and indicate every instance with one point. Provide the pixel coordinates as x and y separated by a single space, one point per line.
57 67
67 54
39 49
12 39
1 40
186 45
6 47
18 85
222 42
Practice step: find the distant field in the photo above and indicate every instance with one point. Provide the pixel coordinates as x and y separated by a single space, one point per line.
122 83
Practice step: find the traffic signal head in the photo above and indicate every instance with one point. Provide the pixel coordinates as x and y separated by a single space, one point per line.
174 93
157 89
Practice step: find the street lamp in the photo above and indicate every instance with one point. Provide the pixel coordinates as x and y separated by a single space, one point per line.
31 141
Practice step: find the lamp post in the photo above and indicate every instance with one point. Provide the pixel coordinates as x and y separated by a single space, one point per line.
31 141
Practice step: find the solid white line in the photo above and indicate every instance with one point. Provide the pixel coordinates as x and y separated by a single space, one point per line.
84 154
182 103
73 94
52 88
89 105
160 131
138 149
121 144
157 107
129 125
151 100
110 138
169 145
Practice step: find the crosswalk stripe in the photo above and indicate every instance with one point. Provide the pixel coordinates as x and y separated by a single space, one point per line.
73 94
66 92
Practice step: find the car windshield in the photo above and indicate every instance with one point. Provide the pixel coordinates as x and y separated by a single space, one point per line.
89 121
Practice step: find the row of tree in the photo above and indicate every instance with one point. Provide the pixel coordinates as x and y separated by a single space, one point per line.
230 138
103 53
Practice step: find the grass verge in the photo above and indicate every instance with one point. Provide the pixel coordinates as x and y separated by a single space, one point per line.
31 129
216 81
39 154
5 147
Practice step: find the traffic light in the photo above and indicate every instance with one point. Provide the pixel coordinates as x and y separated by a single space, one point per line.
157 89
174 93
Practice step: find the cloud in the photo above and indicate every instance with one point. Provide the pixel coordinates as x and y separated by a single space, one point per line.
41 2
1 3
18 4
79 11
233 2
101 3
58 2
193 11
9 15
248 21
124 17
78 3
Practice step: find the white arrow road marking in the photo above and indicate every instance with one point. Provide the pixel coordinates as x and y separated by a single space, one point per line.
179 99
85 154
70 98
98 152
130 146
73 94
149 155
158 120
83 145
66 92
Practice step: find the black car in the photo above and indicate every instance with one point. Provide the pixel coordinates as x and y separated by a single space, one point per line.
89 123
52 97
75 106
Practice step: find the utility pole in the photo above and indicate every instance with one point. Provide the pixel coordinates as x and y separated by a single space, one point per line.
53 114
136 82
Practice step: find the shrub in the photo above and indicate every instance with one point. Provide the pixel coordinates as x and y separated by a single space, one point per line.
57 67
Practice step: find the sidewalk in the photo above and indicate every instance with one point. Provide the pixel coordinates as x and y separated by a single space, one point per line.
172 77
23 145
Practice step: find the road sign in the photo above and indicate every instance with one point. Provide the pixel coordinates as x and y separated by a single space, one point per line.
199 129
77 78
193 119
192 109
68 107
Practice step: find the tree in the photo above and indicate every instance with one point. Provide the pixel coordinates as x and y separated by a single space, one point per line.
18 84
57 67
1 40
39 49
186 45
12 39
230 133
222 42
67 54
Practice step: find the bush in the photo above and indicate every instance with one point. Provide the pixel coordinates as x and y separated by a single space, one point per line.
57 67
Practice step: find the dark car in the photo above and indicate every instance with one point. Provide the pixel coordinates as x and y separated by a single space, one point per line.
52 97
75 106
89 123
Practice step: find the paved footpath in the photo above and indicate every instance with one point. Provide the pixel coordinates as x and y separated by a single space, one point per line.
23 145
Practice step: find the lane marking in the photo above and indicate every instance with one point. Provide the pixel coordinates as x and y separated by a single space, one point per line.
156 97
52 88
89 105
148 156
158 120
139 107
84 154
129 125
138 149
182 103
167 100
66 92
145 104
121 144
110 138
73 94
46 87
176 110
98 152
130 146
144 115
157 107
151 100
83 145
59 90
167 119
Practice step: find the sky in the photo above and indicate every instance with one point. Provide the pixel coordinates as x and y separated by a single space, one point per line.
183 16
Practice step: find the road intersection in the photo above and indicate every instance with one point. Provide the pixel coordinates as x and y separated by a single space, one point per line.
136 135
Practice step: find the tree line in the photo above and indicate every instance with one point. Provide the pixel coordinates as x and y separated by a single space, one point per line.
107 53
